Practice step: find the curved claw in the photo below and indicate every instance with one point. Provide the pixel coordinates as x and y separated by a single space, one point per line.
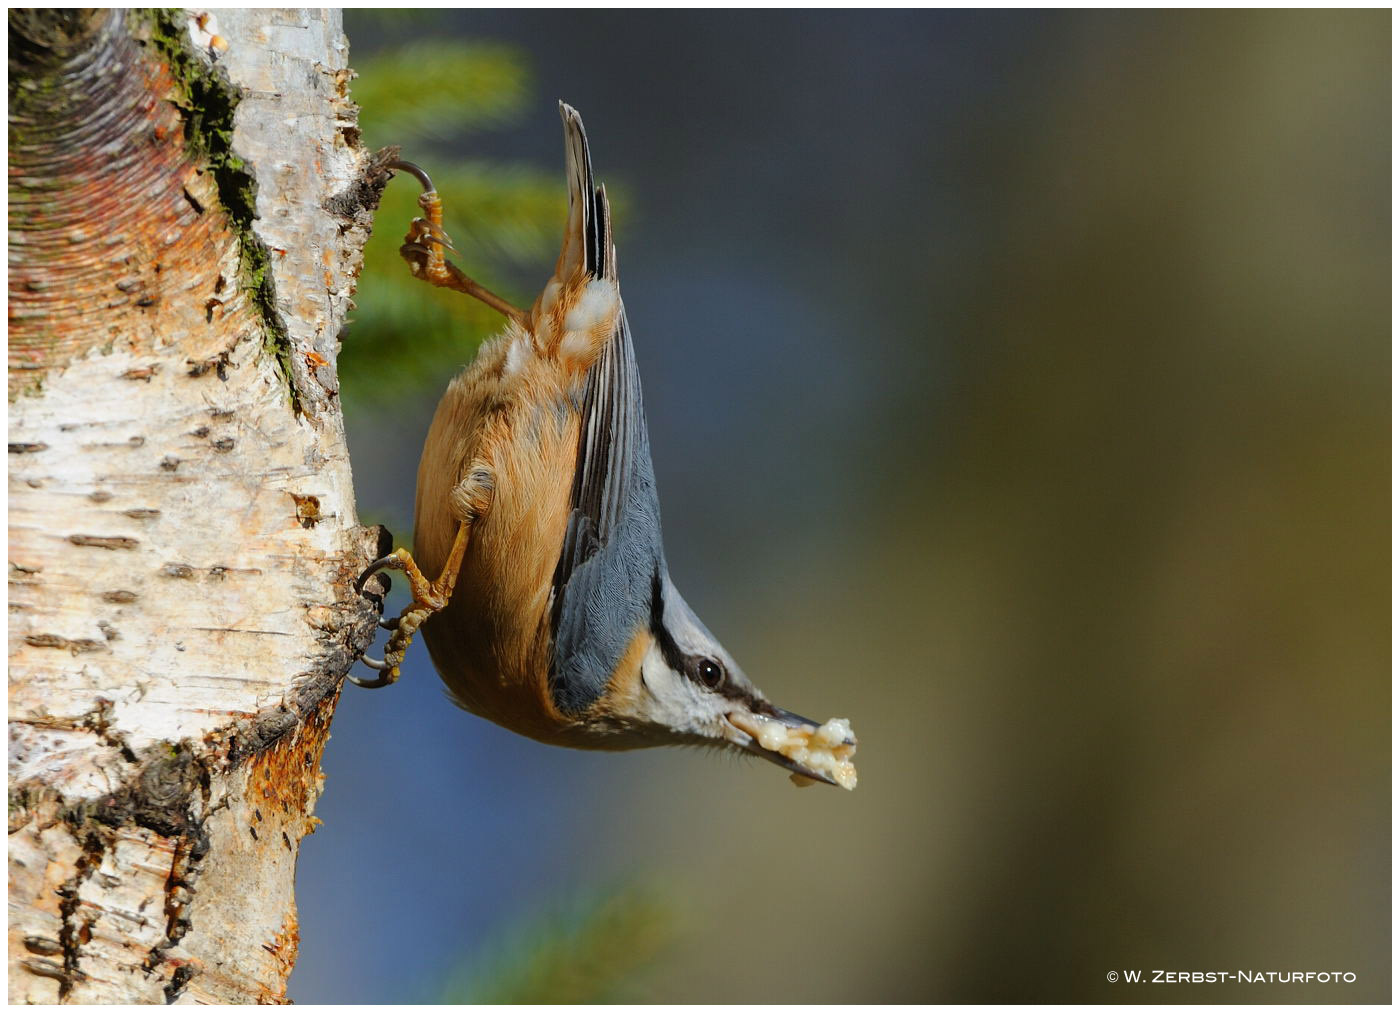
415 170
439 235
378 665
423 232
374 568
382 681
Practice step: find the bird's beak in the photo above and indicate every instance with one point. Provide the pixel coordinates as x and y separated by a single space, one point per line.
810 750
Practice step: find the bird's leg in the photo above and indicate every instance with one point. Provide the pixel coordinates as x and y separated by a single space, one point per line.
470 500
429 597
424 244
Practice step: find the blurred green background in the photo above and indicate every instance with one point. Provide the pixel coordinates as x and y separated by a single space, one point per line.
1019 387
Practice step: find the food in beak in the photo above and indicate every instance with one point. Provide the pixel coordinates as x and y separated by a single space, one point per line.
813 752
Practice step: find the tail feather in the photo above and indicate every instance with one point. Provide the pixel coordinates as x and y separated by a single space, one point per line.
588 234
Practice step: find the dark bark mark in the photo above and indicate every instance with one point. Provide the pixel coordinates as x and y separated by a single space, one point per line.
357 203
104 541
72 934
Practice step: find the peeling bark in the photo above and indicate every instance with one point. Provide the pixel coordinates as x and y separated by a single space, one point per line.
188 203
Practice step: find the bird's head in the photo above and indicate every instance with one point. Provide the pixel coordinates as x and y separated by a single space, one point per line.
678 685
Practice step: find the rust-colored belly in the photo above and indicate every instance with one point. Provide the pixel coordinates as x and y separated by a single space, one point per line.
491 645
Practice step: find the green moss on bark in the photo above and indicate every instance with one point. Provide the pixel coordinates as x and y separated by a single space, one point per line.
207 101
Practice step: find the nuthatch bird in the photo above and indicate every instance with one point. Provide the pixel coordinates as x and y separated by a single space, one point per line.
553 613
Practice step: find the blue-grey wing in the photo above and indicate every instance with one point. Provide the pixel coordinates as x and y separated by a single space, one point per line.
612 545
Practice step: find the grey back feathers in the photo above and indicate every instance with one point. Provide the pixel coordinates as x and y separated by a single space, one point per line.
612 544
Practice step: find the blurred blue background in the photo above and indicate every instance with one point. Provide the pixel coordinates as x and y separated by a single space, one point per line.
1019 388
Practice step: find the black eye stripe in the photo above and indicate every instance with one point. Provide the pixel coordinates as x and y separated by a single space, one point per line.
702 670
670 650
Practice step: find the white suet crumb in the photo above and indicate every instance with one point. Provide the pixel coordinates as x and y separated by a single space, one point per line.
826 750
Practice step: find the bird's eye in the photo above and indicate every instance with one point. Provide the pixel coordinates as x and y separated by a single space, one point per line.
710 673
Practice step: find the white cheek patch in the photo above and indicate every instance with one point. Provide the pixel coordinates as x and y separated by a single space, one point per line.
667 698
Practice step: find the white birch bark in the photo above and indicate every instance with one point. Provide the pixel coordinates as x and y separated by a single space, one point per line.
182 523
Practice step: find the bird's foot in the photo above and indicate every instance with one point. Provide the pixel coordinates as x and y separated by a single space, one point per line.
428 599
425 241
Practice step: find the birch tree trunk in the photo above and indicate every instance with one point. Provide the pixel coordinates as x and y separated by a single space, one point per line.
188 201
